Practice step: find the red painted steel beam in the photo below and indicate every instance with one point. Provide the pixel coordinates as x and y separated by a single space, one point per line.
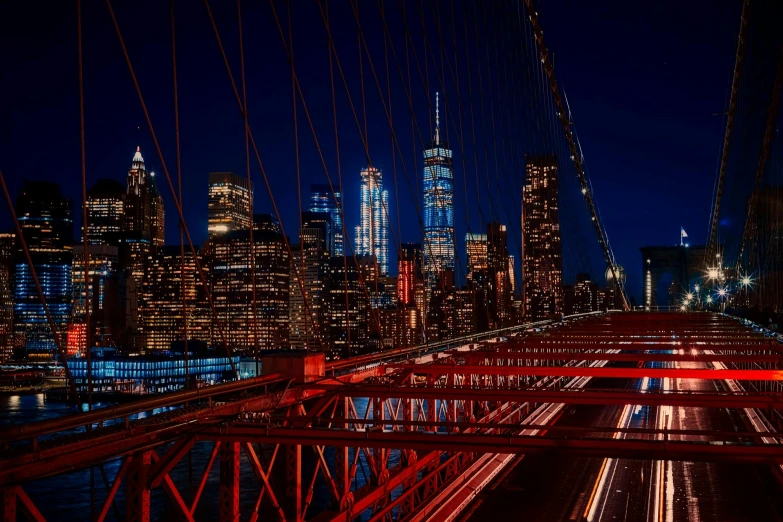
519 444
619 339
111 442
569 396
680 328
645 345
514 358
69 422
651 433
529 347
581 371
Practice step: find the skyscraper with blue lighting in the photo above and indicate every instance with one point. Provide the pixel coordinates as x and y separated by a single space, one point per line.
323 200
46 219
372 234
438 206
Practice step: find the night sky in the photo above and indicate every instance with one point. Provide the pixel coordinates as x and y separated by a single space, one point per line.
647 84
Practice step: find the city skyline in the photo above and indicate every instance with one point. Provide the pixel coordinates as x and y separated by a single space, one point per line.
107 212
342 261
218 144
144 297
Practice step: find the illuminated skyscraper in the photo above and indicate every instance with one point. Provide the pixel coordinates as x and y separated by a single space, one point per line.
157 215
46 218
229 204
438 206
322 200
511 274
409 268
499 285
542 260
232 283
102 288
138 200
144 217
7 253
103 260
161 312
105 212
476 247
346 307
372 234
266 222
310 262
465 312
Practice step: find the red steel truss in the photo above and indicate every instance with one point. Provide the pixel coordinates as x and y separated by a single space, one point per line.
387 435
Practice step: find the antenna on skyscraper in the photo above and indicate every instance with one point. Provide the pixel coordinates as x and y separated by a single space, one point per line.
437 120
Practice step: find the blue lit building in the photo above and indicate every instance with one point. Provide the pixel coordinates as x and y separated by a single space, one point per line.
438 206
46 219
150 373
372 233
322 200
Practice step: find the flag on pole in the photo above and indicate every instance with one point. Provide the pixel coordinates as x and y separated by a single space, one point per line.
683 235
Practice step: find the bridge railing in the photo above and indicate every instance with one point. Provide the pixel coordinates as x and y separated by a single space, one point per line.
123 413
126 411
362 361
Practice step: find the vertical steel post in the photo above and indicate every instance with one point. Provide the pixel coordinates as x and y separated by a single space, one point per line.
9 505
138 507
229 482
342 461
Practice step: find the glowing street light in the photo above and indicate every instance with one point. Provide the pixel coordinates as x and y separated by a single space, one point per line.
712 273
722 292
745 281
689 296
709 299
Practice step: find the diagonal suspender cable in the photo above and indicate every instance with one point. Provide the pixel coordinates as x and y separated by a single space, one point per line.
724 160
339 185
294 104
563 116
763 156
300 280
321 156
86 254
254 302
179 190
177 202
387 113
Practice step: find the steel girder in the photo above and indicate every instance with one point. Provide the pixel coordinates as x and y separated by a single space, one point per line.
517 359
664 449
567 396
586 371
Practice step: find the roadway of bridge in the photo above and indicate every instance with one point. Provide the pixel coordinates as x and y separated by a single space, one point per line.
449 403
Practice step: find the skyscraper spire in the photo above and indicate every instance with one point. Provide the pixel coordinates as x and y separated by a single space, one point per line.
437 119
438 189
137 157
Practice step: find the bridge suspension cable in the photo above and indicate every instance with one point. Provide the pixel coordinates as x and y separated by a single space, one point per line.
563 117
732 109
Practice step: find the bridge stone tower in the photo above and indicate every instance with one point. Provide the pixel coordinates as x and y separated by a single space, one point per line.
686 266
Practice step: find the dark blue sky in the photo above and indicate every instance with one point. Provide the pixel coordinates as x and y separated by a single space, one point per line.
647 84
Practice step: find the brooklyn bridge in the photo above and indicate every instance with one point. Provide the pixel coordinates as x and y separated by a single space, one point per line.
387 292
